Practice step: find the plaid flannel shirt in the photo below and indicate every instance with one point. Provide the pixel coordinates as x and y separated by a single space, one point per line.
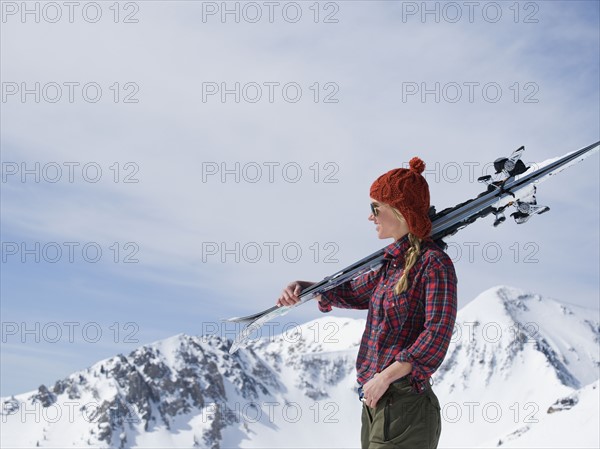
415 326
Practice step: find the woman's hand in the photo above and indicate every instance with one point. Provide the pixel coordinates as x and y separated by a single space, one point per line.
378 385
291 294
374 389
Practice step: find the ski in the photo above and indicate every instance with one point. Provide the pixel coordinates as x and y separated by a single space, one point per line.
514 185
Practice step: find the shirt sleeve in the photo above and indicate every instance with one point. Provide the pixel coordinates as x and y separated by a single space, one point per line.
354 294
429 349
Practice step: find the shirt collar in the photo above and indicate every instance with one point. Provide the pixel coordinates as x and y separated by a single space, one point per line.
397 249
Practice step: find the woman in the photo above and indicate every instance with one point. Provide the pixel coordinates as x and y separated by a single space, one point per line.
412 308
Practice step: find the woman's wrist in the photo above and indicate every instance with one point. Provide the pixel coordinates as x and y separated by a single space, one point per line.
396 371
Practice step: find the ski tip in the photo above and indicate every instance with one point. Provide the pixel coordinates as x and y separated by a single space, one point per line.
234 347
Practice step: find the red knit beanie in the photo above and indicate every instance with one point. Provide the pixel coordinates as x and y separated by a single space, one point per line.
406 190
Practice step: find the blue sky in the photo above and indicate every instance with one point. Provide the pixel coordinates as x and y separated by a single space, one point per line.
534 81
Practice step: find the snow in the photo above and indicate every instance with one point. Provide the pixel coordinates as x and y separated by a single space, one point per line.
522 371
564 428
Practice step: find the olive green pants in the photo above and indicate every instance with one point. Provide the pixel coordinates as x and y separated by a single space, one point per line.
402 419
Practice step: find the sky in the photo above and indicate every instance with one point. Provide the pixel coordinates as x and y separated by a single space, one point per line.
169 164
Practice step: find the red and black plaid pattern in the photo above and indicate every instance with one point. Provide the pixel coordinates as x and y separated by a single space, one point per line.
415 326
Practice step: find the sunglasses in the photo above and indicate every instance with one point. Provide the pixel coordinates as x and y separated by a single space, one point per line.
374 209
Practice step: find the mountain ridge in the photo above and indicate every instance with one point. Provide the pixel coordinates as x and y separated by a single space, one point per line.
296 388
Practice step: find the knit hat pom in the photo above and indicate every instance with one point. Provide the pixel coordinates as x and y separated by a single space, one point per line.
417 165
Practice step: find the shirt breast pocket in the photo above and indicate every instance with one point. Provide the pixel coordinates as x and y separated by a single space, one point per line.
395 310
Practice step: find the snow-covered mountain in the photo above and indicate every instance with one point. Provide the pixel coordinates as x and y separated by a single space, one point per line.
512 357
522 370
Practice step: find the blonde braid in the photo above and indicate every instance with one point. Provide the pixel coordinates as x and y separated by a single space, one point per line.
411 257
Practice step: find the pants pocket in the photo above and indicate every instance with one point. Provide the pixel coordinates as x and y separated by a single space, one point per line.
387 419
434 420
401 416
366 429
407 420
